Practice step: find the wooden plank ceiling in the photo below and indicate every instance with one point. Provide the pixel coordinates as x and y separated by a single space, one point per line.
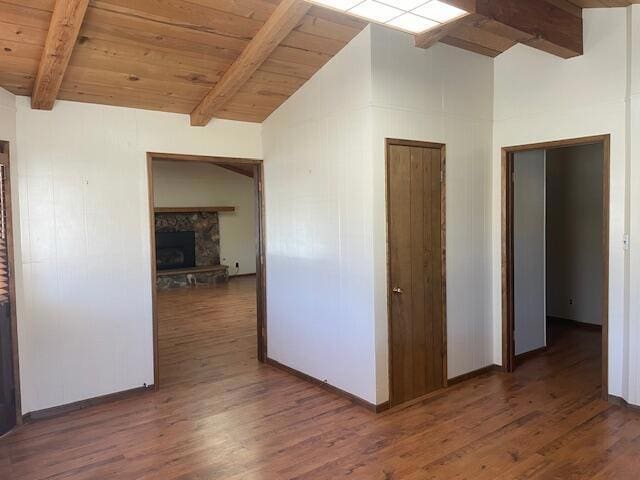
169 55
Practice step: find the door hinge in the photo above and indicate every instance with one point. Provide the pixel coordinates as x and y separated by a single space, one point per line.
441 176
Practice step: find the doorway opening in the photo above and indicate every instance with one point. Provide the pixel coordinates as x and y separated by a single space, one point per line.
207 265
555 252
10 409
416 269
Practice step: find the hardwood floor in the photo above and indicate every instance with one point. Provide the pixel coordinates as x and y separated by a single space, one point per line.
221 415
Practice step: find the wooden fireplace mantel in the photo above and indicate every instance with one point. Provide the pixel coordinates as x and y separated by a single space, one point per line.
182 271
192 209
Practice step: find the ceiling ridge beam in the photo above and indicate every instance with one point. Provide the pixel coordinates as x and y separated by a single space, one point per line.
284 19
235 169
433 36
550 28
548 25
66 22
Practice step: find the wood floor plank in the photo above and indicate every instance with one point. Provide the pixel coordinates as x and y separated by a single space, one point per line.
220 414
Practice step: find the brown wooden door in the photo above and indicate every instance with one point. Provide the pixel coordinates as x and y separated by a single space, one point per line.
416 265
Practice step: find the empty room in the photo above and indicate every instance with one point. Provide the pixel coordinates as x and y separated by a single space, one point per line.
290 239
205 247
556 263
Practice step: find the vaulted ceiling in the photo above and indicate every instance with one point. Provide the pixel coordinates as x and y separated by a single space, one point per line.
233 59
168 54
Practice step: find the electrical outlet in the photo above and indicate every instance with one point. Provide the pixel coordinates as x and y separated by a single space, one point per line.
571 301
237 264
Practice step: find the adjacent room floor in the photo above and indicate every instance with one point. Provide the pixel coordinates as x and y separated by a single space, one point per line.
221 415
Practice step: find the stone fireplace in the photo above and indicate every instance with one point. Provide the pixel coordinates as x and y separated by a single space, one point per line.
188 249
175 250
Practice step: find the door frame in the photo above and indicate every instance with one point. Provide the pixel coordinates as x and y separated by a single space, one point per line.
508 323
5 159
389 142
261 279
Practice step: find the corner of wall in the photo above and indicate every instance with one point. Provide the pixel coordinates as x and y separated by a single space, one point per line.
7 99
631 365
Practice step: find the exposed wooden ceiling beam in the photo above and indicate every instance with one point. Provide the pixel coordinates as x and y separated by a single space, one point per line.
66 21
246 170
284 19
548 25
474 38
567 5
431 37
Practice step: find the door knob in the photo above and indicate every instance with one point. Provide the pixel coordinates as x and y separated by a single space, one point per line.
398 290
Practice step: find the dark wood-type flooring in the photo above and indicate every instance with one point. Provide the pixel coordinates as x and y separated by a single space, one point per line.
221 415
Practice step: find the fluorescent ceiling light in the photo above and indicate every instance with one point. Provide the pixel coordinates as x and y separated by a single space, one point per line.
406 5
439 11
413 23
414 16
376 11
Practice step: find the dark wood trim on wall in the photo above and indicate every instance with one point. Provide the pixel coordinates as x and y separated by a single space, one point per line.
621 402
89 402
349 396
5 159
606 225
261 282
574 323
523 357
176 157
473 374
508 354
443 253
152 253
508 347
443 249
261 262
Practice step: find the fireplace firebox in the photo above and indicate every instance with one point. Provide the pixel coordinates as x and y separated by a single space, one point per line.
175 250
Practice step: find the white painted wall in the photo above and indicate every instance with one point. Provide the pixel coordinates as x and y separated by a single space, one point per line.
631 366
442 95
530 318
325 170
84 322
84 293
539 97
8 134
319 221
574 233
196 184
7 116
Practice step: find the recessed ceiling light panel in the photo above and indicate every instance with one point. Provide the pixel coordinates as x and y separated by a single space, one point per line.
414 16
405 5
413 23
439 11
376 11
